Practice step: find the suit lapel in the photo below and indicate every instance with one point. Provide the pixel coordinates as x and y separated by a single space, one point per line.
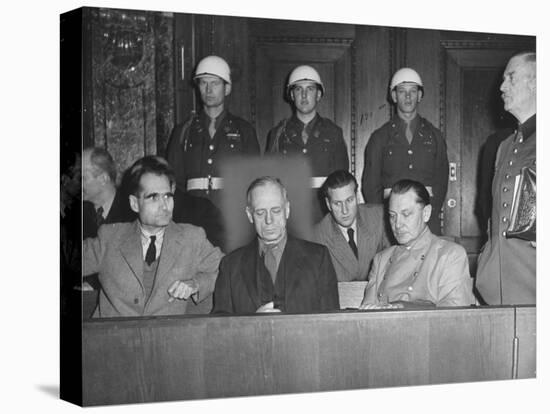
366 233
170 247
251 262
291 266
132 253
341 250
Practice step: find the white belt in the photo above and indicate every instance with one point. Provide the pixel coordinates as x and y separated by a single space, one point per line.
205 183
387 191
317 182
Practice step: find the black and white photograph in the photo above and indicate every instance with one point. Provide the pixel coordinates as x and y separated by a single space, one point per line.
291 208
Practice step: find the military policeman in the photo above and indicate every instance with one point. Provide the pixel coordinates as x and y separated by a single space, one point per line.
318 140
408 146
197 147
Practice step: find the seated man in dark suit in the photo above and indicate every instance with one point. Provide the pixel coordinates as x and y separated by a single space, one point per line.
353 232
103 202
151 266
276 272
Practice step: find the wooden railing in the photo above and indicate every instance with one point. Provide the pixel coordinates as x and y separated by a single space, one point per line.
193 357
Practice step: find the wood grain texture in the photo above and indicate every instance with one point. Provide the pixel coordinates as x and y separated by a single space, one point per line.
158 359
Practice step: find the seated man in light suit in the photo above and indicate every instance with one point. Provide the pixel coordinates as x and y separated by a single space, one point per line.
151 266
423 269
276 272
353 232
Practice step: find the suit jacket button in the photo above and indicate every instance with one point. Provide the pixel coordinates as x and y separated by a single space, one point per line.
136 301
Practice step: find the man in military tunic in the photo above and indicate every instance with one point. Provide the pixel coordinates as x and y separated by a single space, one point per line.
318 140
506 272
198 147
408 146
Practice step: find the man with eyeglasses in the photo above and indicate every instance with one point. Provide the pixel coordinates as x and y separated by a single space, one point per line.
151 266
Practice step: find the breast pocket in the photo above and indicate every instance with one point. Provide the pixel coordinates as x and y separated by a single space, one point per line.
234 141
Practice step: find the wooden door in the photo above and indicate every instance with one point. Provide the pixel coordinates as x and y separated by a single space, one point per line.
473 110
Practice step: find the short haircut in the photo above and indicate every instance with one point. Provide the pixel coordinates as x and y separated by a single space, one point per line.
338 179
403 186
261 181
152 164
102 162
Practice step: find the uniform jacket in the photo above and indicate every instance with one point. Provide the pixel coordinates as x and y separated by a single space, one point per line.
120 212
309 279
433 269
193 154
371 238
117 255
389 158
506 272
325 150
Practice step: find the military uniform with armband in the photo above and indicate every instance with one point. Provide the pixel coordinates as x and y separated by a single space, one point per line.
319 140
199 146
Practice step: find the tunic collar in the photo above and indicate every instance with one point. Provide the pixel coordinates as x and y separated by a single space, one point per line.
528 127
205 119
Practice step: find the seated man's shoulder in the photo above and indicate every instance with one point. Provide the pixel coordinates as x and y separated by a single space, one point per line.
371 209
329 124
446 245
188 230
312 248
114 230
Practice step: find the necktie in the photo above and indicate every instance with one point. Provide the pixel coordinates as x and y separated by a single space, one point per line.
212 127
270 262
151 253
408 132
99 219
305 136
352 242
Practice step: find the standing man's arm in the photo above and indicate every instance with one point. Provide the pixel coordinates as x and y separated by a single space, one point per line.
441 178
341 159
328 288
175 153
371 181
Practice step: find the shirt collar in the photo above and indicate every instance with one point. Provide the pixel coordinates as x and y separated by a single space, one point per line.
262 246
146 235
205 119
421 241
528 127
296 121
402 124
344 230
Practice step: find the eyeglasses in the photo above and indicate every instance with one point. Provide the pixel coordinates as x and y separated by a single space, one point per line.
156 197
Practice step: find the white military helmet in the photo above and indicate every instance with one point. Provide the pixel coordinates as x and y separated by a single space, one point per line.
213 65
304 73
406 75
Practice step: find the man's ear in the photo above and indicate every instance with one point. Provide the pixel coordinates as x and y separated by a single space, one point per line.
227 89
420 95
394 96
319 95
327 202
134 203
249 215
426 213
287 210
